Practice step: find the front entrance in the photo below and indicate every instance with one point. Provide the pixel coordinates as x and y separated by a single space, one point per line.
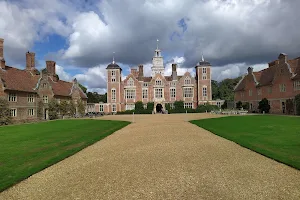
158 108
46 114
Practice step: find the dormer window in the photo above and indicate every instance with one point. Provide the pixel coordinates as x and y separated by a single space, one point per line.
158 82
130 82
187 81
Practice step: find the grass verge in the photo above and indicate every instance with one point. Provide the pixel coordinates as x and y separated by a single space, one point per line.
29 148
277 137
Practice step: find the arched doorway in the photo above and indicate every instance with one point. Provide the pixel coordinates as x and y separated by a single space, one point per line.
158 108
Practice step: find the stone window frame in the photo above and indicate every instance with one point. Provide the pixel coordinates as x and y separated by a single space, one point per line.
13 112
113 79
188 92
187 81
158 82
31 112
145 84
145 93
45 99
101 108
204 91
45 85
204 70
173 92
188 105
114 108
30 98
158 93
113 73
297 85
173 84
130 82
12 97
130 93
113 94
204 77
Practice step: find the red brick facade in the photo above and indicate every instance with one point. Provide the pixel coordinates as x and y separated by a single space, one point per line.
279 82
25 88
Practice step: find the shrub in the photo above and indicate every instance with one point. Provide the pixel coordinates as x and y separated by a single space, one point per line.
5 117
53 109
290 106
297 102
63 106
179 107
40 107
224 106
139 106
263 105
150 106
239 105
246 106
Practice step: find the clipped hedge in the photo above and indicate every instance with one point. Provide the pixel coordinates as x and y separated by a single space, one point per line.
127 112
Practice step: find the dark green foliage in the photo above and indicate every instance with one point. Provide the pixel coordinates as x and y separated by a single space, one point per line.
246 106
94 97
224 106
53 107
239 105
207 107
226 87
5 117
139 106
179 107
127 112
40 108
215 90
81 107
263 105
297 102
168 107
274 136
84 89
290 106
29 148
150 106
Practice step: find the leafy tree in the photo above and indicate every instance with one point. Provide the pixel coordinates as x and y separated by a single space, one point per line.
226 88
72 108
139 106
239 104
224 106
246 106
81 107
64 106
215 90
53 108
263 105
40 107
94 97
5 117
84 89
297 102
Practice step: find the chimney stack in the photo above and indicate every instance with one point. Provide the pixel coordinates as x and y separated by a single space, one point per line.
134 72
2 63
282 58
1 48
30 60
250 70
174 71
50 66
141 70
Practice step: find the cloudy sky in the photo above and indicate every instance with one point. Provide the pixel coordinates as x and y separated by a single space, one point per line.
81 35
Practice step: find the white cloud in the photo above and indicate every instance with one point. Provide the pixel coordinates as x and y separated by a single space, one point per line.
63 75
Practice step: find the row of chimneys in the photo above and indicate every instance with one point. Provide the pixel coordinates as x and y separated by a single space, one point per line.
30 60
140 72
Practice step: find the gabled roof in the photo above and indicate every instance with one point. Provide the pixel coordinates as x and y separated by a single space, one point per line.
267 76
18 80
64 88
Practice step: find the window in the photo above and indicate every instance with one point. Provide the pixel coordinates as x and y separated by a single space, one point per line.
172 106
270 90
30 112
188 105
114 108
204 91
204 77
282 87
187 81
296 85
145 93
30 98
45 99
145 106
44 85
113 73
101 109
158 82
113 79
219 104
172 92
204 70
158 93
145 84
259 91
187 92
113 94
173 84
130 94
12 97
13 112
130 107
242 94
250 93
130 82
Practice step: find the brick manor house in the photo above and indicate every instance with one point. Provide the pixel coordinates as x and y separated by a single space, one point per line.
279 82
158 88
23 88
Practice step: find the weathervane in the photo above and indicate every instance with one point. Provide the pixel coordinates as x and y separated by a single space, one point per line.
157 43
113 58
202 57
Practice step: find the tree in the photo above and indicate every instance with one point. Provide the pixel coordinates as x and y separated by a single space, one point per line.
81 107
215 90
5 117
84 89
53 108
246 106
226 88
263 105
297 102
224 106
290 106
72 108
239 105
63 107
40 107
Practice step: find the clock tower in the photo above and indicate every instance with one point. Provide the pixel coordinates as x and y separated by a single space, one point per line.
157 62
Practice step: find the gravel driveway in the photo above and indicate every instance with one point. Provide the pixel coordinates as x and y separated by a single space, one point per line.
162 157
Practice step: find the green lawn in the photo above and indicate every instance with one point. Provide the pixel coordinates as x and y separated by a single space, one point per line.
29 148
277 137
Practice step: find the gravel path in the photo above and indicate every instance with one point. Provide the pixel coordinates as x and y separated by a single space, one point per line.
162 157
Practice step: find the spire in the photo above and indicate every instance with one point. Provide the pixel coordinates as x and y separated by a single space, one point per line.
113 58
202 57
157 43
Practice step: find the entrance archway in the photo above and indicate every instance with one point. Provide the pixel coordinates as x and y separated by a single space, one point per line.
158 108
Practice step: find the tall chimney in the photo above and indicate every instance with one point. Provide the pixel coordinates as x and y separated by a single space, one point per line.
174 71
30 60
250 70
141 70
2 63
50 66
1 48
